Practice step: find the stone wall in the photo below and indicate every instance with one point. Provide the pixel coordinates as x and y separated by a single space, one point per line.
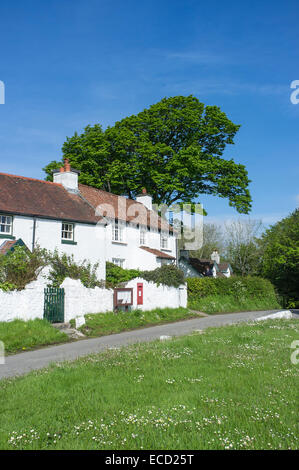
79 300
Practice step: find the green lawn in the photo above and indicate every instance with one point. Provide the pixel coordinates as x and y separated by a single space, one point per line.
232 387
100 324
229 303
19 335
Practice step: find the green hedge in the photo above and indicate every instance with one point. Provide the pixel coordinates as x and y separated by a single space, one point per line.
237 286
168 275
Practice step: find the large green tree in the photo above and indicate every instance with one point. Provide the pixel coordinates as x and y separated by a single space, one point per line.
280 261
174 149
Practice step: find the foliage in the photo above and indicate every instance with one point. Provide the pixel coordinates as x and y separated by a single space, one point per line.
212 239
168 275
19 335
230 303
100 324
174 149
7 286
232 387
241 289
116 275
280 261
22 266
63 265
19 267
242 246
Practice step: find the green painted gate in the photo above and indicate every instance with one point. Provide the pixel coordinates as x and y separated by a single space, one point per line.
54 305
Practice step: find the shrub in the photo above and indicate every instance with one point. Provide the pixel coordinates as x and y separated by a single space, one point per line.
63 265
168 275
236 286
116 275
20 267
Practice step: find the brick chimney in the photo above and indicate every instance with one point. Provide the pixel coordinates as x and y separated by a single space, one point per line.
145 199
215 256
67 176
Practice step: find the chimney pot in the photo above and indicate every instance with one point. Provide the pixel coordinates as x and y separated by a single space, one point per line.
67 166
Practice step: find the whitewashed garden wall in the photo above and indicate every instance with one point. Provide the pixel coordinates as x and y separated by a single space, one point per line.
25 305
79 300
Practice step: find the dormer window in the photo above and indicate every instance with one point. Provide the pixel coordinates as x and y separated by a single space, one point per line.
5 224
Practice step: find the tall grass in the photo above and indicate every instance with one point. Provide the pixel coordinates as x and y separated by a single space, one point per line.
231 303
19 335
233 387
107 323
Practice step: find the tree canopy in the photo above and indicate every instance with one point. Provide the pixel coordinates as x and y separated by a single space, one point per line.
174 149
280 263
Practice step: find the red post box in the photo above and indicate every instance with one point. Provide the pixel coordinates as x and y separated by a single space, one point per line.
139 293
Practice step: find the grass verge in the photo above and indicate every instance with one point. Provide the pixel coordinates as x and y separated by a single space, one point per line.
100 324
230 303
19 335
233 387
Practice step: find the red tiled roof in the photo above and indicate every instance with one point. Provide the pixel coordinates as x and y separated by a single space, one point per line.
223 266
6 246
122 208
28 196
158 253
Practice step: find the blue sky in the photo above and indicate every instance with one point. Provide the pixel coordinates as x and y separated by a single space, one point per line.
69 63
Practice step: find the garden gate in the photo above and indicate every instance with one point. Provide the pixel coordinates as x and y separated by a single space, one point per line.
54 305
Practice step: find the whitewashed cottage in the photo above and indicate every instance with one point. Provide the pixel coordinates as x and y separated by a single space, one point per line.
84 221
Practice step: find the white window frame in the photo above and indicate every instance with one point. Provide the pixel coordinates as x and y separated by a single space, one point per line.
163 241
65 229
118 262
4 224
142 236
117 232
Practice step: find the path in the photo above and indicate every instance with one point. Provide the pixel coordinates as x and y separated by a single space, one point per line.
23 363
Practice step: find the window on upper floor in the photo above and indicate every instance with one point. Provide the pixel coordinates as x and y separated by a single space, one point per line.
117 232
163 241
67 232
142 236
5 224
118 262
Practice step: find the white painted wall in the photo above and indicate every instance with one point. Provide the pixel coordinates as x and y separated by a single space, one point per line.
27 304
79 300
130 251
94 243
158 296
90 239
